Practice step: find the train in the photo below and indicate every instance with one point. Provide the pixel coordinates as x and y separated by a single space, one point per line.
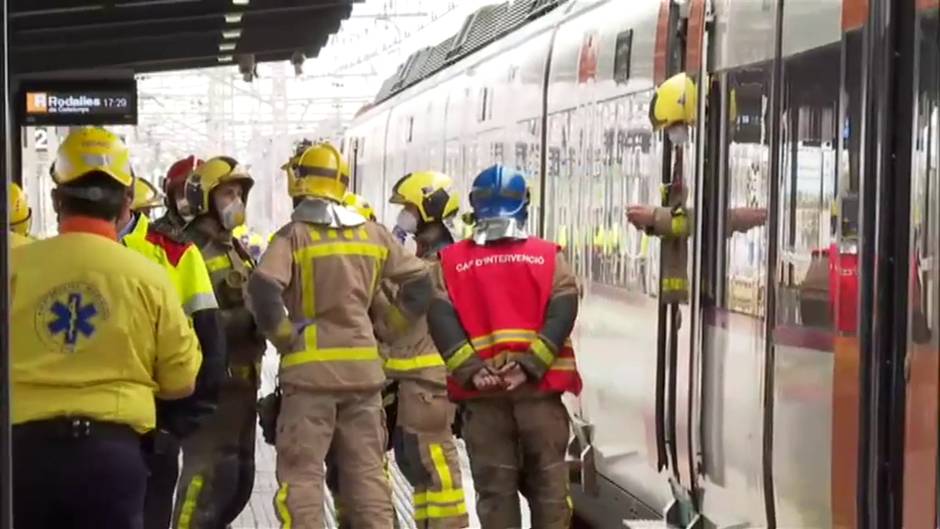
798 385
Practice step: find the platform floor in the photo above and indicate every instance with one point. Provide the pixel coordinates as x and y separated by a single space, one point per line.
260 511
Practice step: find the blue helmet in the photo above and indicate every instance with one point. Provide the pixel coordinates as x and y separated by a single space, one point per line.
500 192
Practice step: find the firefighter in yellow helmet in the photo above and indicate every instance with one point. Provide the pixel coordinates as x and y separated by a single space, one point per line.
424 444
183 262
100 331
218 459
311 296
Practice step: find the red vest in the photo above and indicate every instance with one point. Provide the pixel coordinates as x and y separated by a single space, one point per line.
500 293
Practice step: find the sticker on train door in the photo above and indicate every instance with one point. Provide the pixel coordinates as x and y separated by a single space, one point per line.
587 59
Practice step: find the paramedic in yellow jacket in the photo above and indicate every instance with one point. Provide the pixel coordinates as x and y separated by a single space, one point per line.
187 270
218 460
99 332
311 296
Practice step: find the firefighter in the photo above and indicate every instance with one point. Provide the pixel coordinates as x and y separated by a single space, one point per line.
183 262
389 394
99 333
178 212
218 459
311 296
424 444
21 215
501 318
673 109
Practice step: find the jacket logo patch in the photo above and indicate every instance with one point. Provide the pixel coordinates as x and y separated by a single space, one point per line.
69 316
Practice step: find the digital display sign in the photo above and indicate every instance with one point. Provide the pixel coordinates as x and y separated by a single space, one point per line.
106 103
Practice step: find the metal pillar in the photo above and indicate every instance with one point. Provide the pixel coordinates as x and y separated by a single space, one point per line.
6 151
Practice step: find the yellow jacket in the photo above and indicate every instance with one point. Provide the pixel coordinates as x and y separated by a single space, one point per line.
182 260
98 331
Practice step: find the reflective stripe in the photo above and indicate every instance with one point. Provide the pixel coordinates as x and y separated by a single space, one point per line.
189 504
564 364
446 503
436 511
415 362
672 284
542 351
440 465
341 248
459 357
444 496
503 336
218 263
280 503
680 225
334 354
198 302
363 234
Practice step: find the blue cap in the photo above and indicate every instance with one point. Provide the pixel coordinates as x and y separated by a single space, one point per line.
500 192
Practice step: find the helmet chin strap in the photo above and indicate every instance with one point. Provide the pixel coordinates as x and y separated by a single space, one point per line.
432 238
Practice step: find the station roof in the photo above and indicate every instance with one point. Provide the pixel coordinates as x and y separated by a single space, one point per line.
157 35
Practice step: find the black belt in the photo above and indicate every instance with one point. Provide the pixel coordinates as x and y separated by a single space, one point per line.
75 428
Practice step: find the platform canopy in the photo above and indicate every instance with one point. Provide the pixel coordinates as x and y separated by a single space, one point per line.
158 35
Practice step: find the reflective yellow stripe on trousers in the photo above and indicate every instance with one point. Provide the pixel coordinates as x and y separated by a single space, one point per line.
280 505
447 502
189 504
305 258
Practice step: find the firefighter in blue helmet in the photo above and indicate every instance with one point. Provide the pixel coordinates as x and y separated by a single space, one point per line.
501 317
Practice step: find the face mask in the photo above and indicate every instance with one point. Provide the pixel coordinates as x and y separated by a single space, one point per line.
233 215
678 134
407 222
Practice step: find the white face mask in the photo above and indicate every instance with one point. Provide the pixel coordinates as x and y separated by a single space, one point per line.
233 215
407 221
678 134
182 207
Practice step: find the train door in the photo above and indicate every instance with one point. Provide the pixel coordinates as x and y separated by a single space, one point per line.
923 339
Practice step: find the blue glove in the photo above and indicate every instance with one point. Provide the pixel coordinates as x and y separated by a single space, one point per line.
400 234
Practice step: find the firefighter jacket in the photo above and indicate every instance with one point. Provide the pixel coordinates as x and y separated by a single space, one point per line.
229 267
312 292
406 346
17 240
511 300
98 333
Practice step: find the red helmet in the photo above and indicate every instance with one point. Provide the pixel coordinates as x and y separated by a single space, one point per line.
177 173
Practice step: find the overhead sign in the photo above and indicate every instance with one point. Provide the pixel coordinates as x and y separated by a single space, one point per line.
84 103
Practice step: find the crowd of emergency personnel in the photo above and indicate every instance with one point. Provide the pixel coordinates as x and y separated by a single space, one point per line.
137 340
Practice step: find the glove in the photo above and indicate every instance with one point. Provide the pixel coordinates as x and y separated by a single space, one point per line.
269 407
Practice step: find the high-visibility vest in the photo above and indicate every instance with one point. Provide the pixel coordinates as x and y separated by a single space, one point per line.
182 260
500 292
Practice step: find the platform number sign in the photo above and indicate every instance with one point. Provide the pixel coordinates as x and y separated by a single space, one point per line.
41 139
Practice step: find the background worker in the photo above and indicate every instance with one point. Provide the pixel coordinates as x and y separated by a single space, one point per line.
218 460
21 215
311 296
184 264
424 444
97 335
178 211
501 319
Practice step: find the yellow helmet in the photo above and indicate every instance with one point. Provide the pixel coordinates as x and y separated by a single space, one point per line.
210 175
146 196
320 171
360 204
675 101
92 149
21 215
429 192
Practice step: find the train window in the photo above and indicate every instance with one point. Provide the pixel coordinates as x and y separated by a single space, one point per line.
622 52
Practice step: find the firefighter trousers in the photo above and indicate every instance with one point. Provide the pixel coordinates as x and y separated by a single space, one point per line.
219 462
426 453
353 422
518 444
